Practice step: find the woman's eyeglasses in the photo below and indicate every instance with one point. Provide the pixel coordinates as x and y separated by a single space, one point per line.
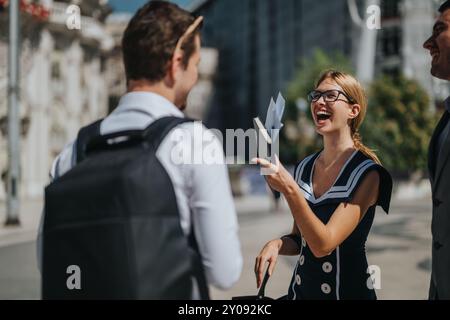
328 96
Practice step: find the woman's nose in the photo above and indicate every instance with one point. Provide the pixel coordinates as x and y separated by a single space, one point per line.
321 100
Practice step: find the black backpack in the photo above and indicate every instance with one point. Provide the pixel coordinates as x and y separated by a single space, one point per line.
112 226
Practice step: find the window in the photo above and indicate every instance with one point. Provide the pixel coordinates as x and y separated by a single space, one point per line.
390 8
390 41
56 72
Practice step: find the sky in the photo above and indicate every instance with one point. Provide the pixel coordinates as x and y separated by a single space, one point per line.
131 6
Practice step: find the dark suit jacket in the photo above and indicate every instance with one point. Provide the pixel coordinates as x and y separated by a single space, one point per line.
439 170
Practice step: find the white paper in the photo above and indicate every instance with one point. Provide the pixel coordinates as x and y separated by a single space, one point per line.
274 116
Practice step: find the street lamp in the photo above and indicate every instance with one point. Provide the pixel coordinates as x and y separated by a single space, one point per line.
365 59
13 117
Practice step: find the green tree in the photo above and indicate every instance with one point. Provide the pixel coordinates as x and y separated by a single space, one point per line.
399 124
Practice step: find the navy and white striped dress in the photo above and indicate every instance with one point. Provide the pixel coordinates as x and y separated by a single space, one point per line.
343 274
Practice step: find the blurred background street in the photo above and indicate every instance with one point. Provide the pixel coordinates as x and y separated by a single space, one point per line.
71 74
399 244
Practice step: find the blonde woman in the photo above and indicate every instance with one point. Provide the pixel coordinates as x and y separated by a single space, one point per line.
332 198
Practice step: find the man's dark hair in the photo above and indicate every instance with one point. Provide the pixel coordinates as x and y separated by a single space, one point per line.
444 6
150 39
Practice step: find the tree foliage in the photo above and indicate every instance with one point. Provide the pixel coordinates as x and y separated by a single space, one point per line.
399 123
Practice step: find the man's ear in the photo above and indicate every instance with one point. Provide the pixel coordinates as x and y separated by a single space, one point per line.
355 109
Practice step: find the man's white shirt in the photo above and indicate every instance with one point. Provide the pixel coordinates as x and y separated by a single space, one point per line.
202 191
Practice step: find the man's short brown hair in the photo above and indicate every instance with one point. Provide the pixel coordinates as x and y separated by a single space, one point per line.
150 39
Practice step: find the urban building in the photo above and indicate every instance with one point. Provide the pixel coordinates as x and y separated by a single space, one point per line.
69 77
62 83
406 24
260 43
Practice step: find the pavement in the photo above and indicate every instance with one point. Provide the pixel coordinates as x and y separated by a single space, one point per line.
399 245
30 214
19 275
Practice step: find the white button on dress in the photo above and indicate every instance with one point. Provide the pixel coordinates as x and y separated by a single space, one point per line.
325 288
302 260
298 280
327 267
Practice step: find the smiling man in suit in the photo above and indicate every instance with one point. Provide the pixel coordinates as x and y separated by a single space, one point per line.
439 161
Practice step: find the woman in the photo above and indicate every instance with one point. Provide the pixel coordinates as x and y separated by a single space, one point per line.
332 198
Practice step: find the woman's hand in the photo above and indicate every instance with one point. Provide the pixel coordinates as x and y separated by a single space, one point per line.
277 176
268 254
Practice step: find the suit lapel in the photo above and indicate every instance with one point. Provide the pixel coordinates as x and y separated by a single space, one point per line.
445 151
432 161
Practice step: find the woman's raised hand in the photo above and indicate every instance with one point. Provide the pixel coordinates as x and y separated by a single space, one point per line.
277 176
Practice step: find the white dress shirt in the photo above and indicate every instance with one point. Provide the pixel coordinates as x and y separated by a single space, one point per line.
203 191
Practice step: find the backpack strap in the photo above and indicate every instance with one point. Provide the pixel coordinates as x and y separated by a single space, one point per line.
84 136
159 129
199 271
155 134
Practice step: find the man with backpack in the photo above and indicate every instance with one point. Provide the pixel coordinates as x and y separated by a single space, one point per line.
123 219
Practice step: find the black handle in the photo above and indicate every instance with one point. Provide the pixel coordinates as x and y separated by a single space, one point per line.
262 289
101 142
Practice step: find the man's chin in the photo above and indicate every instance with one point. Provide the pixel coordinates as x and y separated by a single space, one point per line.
183 106
441 72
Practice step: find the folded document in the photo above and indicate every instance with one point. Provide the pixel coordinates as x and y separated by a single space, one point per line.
268 134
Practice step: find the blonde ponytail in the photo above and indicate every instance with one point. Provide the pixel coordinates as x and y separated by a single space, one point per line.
356 137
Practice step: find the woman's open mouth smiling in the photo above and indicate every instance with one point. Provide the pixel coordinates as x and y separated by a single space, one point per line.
322 116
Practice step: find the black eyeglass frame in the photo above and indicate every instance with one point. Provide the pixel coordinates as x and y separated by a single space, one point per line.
323 94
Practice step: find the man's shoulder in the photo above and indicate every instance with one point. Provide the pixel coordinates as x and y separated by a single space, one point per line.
193 143
193 124
196 131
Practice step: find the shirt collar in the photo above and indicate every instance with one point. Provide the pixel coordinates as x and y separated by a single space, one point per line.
149 102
